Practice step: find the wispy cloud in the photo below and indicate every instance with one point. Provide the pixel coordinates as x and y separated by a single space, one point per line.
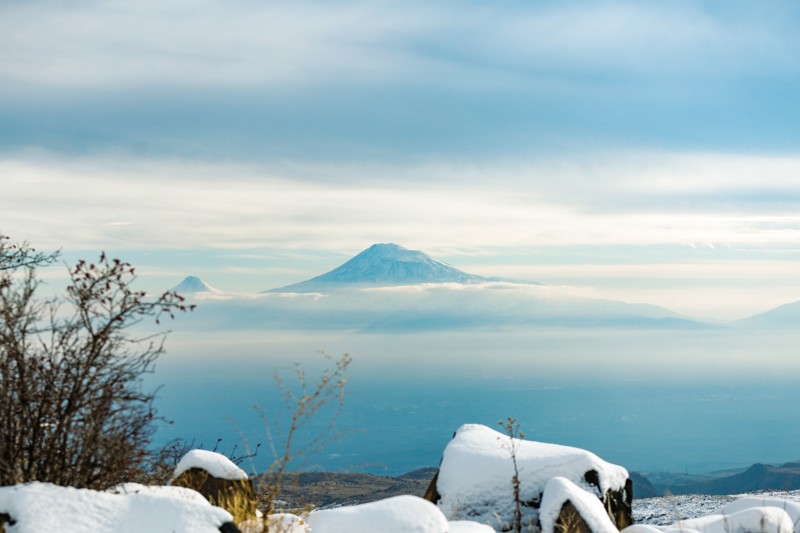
87 203
216 43
395 81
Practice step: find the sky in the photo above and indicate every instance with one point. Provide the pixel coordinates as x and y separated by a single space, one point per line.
643 151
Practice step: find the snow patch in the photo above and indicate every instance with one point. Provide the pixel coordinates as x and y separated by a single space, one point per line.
400 514
467 526
642 528
159 490
38 507
792 508
753 519
214 463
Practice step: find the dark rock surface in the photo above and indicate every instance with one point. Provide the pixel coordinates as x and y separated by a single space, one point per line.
237 496
642 487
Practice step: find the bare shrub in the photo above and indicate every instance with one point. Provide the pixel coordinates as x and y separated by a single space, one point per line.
72 408
303 402
511 427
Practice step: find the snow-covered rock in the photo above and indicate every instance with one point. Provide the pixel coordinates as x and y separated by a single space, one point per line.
214 463
39 507
559 494
475 477
792 508
218 479
749 520
400 514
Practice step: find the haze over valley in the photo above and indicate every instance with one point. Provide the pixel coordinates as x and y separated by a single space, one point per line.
434 345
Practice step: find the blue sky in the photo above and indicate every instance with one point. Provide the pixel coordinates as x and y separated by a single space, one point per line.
646 151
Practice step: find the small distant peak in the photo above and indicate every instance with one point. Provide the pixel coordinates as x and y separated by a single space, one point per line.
194 285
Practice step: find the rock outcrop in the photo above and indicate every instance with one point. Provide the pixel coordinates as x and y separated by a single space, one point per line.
218 479
474 481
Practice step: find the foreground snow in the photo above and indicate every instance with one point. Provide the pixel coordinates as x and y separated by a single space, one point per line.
477 465
401 514
40 507
665 510
753 519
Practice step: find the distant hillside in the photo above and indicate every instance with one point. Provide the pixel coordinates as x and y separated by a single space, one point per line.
787 315
757 477
642 488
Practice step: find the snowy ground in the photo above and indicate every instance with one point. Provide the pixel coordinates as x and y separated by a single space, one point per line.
669 509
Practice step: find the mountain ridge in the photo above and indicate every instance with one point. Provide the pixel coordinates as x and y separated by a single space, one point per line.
758 476
786 315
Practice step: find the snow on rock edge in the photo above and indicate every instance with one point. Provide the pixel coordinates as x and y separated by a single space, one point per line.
214 463
560 490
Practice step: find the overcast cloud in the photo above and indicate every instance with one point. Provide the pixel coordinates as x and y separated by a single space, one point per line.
387 81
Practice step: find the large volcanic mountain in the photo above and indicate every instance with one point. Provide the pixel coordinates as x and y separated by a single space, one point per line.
383 265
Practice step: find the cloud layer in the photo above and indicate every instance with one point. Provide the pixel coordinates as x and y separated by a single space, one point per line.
396 81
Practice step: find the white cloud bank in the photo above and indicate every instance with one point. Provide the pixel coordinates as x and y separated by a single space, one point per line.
692 201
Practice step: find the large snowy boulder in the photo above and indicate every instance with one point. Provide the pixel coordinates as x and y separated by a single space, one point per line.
218 479
400 514
475 478
37 507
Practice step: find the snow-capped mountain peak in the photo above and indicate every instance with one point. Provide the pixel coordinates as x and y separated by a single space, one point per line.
386 264
194 285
